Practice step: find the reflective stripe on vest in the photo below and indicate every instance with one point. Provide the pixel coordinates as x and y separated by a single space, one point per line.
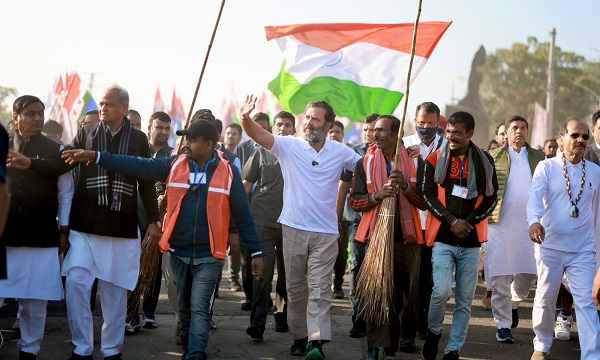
217 203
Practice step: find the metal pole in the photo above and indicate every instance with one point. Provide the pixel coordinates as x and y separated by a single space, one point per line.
550 90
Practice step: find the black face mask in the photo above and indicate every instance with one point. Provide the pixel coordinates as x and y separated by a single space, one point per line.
426 134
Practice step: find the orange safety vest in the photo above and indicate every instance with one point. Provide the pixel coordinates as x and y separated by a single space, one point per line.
432 225
362 233
217 203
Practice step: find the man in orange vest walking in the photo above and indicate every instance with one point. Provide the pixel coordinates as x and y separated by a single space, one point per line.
460 190
374 180
203 191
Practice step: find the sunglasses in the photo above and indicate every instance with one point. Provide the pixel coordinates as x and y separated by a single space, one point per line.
576 136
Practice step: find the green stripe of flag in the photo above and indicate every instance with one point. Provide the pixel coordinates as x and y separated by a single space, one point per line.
347 98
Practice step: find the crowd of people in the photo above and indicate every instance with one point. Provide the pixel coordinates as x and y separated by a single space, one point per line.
300 205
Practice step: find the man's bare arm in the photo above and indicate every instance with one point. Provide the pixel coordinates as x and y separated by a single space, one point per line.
255 131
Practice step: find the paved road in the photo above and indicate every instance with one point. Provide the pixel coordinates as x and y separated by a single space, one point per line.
230 341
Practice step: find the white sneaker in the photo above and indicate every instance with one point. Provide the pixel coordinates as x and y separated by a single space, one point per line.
562 330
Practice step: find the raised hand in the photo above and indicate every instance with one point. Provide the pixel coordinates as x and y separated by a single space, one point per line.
247 107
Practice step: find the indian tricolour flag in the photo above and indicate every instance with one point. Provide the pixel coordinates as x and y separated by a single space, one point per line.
358 68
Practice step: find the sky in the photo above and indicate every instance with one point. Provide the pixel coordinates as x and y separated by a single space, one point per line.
142 45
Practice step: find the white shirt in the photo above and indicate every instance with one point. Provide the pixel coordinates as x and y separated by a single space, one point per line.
425 151
311 181
549 204
509 249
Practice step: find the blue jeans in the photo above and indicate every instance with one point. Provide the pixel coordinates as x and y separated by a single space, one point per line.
195 287
445 259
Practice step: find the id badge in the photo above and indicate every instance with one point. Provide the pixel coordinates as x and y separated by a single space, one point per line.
198 178
460 191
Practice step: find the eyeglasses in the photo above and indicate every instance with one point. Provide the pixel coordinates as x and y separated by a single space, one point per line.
576 136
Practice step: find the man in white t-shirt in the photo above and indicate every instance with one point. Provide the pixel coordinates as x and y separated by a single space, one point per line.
311 167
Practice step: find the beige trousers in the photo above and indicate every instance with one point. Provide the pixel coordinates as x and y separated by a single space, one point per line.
309 258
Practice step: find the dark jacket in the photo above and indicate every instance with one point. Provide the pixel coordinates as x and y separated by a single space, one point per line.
245 150
34 197
593 153
191 228
89 217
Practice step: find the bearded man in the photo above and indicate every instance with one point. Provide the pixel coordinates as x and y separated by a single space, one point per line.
311 167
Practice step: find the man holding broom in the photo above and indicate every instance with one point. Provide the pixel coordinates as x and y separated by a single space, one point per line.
311 166
460 190
374 180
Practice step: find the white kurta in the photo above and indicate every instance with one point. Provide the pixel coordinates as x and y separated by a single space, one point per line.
509 249
33 273
112 259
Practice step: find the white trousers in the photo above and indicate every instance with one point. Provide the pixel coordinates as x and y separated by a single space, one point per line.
170 285
309 258
114 310
507 293
580 269
32 323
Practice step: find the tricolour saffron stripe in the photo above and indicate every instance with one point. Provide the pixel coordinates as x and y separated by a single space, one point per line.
348 98
365 64
332 37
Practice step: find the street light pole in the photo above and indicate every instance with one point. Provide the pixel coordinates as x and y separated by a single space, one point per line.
550 89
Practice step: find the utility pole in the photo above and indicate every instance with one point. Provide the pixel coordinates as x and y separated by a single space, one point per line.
550 90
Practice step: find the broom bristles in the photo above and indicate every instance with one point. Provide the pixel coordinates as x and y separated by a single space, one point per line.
375 284
148 266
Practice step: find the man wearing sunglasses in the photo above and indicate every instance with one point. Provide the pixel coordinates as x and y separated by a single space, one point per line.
203 191
563 229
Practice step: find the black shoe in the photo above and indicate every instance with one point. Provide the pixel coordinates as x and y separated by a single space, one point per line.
422 334
81 357
408 345
26 356
358 331
281 326
515 318
373 353
247 305
114 357
255 333
452 355
298 348
430 348
505 336
388 353
338 293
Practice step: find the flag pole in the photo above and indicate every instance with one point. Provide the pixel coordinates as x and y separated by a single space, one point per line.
212 38
410 64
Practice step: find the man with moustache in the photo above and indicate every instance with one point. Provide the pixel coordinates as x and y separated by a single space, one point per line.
32 237
104 236
424 142
233 136
460 189
311 168
553 220
263 171
509 253
135 119
374 181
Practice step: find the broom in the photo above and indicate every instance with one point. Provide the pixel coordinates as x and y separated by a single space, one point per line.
150 252
375 284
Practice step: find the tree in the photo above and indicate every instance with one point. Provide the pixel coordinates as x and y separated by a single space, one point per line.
5 110
515 79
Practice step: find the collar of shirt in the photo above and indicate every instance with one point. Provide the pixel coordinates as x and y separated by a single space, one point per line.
306 145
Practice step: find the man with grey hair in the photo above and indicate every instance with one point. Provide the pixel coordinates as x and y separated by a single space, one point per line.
562 228
104 236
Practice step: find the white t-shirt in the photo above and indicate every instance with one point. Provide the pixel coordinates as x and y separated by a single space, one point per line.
549 204
311 181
